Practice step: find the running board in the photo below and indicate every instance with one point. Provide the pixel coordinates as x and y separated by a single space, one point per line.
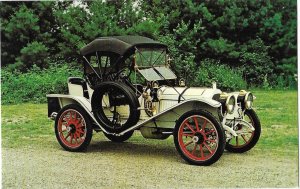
215 105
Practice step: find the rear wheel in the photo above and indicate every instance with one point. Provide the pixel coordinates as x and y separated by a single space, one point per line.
121 138
73 128
246 138
199 138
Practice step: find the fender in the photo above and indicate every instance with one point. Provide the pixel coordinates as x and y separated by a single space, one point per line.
57 101
165 119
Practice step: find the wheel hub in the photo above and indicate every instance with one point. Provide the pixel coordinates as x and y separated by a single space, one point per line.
71 128
238 127
195 139
198 138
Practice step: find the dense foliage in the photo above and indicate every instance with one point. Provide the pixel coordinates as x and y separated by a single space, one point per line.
257 38
211 71
33 85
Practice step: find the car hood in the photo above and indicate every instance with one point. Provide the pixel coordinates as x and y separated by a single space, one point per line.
185 93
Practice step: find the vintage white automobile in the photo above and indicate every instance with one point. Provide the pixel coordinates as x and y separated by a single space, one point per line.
128 85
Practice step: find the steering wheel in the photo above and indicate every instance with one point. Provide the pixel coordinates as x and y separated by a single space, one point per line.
121 74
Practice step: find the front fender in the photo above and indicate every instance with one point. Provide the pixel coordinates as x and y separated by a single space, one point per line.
168 117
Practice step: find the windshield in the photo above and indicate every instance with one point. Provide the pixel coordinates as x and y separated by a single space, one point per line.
152 64
148 57
157 73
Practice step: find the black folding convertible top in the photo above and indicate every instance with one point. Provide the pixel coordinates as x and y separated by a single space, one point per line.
119 44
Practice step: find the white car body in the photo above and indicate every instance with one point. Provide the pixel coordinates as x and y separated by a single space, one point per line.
168 109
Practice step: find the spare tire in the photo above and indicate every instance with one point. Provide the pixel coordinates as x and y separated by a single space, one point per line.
115 106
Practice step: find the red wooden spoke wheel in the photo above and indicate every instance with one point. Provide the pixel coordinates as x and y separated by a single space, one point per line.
246 138
199 138
243 139
72 128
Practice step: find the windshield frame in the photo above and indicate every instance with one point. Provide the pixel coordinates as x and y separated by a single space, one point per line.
150 63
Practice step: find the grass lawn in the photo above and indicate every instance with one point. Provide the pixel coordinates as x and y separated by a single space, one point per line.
27 125
278 114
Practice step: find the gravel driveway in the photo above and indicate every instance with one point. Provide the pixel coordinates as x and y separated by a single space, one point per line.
141 164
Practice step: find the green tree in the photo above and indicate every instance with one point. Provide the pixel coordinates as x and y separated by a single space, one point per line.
98 19
256 37
27 25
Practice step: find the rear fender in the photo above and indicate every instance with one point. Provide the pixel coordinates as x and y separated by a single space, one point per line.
58 101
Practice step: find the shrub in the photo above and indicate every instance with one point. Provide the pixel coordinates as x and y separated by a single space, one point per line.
35 84
284 82
211 70
256 62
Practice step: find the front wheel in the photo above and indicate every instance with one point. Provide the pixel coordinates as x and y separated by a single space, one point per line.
199 138
246 138
73 128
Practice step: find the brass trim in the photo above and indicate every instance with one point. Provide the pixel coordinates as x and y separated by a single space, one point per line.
224 95
243 92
